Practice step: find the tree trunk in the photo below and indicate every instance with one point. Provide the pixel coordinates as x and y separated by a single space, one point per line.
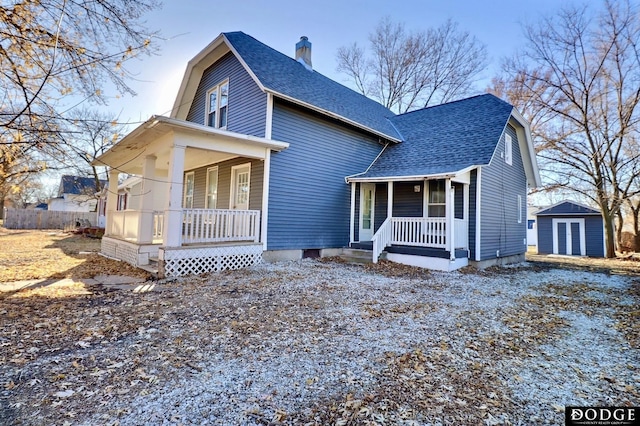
636 224
619 229
610 248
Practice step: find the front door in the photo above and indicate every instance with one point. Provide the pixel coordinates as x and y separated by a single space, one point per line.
240 176
367 203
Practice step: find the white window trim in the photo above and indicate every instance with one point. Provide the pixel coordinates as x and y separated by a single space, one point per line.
428 197
207 110
233 185
206 197
519 208
508 149
184 195
568 222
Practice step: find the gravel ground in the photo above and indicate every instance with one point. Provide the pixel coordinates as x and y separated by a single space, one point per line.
320 342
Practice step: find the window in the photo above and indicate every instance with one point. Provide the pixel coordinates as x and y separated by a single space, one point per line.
240 178
508 149
531 224
122 201
437 199
519 208
189 179
212 188
217 105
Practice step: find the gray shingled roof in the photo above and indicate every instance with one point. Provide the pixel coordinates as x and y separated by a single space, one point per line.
78 185
280 73
444 139
568 208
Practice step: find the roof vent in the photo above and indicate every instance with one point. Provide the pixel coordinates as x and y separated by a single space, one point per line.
303 52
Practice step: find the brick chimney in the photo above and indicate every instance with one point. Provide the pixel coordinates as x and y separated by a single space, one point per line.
303 52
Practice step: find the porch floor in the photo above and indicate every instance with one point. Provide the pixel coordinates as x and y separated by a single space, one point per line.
427 252
412 250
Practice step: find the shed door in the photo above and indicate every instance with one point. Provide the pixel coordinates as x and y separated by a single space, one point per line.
569 237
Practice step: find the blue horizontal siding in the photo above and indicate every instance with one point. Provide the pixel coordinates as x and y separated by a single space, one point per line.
407 202
500 186
247 110
309 201
545 235
594 233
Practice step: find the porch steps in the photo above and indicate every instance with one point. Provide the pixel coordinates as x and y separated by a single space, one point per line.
354 255
152 267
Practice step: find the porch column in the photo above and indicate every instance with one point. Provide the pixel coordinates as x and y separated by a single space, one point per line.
449 213
265 196
352 220
389 199
145 219
112 201
173 209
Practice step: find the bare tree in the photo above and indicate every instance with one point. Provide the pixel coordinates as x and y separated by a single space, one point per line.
53 48
577 82
406 71
17 168
91 134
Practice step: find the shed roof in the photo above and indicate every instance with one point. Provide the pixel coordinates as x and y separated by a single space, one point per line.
568 208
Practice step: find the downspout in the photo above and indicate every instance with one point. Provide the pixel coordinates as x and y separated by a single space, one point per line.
346 179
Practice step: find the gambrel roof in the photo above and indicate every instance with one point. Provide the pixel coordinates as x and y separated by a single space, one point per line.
288 79
442 140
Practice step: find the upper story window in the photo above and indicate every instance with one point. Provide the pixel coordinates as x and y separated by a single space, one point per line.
217 105
508 149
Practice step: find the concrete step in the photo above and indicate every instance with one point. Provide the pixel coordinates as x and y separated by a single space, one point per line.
151 268
356 252
351 255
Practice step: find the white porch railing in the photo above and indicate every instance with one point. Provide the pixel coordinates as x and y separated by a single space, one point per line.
410 231
381 239
420 232
212 226
125 224
460 234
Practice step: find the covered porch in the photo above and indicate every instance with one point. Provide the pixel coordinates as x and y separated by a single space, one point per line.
156 220
420 221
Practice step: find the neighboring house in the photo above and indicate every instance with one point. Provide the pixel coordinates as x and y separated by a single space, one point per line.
570 228
38 206
76 194
532 226
264 157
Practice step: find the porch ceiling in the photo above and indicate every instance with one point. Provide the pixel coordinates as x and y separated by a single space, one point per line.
205 145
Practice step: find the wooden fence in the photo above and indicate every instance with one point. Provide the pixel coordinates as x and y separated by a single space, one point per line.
46 219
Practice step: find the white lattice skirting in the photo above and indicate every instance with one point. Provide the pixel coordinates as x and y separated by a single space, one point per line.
198 260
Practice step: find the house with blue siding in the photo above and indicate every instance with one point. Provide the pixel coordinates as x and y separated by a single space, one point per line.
263 157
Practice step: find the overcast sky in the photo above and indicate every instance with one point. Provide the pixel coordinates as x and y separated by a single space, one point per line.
189 25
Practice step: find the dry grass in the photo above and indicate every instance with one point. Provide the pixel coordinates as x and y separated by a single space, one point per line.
35 254
624 264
